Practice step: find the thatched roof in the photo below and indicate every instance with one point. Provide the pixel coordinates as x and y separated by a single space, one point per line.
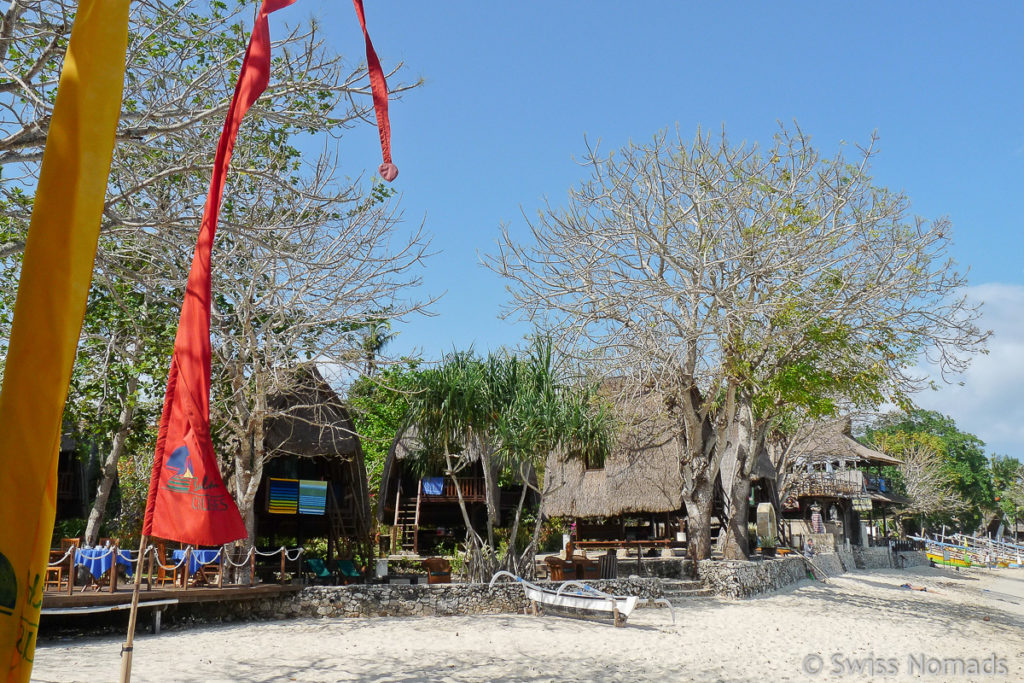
833 439
640 475
311 420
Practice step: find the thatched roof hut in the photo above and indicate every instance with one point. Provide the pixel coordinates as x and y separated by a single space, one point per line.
311 435
640 475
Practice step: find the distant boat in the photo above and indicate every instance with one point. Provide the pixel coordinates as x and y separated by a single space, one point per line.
950 561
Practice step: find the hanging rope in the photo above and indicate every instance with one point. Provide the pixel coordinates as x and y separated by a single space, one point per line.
66 554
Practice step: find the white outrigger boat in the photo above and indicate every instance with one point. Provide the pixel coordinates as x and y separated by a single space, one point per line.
574 598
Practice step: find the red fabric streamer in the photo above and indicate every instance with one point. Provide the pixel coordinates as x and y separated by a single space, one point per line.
379 86
188 501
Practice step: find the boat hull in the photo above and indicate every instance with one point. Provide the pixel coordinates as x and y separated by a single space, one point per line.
950 562
582 604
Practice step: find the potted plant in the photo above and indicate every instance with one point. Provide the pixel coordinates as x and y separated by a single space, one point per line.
768 545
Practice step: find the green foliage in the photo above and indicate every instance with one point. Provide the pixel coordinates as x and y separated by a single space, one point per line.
963 456
510 411
379 405
522 408
68 528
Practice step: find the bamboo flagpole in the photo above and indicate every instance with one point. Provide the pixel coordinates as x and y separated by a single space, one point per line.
126 649
184 451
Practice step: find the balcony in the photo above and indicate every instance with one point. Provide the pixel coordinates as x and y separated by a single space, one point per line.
473 491
839 484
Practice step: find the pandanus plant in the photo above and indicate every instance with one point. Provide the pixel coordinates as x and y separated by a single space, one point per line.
509 412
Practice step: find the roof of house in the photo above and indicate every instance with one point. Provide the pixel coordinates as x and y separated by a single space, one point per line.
834 439
640 475
310 420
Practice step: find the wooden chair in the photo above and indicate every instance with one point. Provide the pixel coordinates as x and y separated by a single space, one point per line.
54 574
68 543
439 570
163 576
208 573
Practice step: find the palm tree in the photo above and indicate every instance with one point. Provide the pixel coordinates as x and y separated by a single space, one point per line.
509 412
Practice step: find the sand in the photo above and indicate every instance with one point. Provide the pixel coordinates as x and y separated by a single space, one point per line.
859 626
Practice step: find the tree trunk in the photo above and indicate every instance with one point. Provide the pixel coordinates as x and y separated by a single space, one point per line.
698 521
510 561
740 458
109 470
489 495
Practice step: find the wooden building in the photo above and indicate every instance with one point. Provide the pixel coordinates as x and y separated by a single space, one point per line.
833 484
314 485
422 507
634 495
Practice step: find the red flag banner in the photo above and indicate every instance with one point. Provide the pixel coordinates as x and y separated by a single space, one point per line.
188 501
379 87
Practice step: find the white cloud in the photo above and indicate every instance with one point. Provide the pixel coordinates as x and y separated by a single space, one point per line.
990 403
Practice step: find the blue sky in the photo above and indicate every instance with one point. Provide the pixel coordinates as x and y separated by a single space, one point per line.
510 90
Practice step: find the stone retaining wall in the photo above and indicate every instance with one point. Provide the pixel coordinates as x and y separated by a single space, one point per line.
393 601
873 558
658 567
736 579
730 579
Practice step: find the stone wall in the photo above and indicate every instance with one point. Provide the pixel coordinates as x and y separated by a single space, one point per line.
743 579
729 579
392 601
873 558
911 558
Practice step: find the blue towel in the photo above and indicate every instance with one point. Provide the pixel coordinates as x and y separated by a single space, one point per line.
433 486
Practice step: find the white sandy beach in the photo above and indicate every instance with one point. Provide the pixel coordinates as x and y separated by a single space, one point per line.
861 619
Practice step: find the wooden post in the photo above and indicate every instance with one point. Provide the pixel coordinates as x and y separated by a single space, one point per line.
149 578
185 566
416 523
113 569
223 566
252 566
71 571
283 555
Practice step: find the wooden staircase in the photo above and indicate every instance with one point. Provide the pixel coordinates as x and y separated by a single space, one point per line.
342 523
407 521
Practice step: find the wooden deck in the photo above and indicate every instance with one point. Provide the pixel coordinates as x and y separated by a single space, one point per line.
91 601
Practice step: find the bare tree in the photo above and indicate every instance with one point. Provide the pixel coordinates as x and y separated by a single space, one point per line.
929 487
292 292
302 257
708 272
182 58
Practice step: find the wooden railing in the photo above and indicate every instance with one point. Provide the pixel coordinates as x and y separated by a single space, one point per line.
473 490
841 484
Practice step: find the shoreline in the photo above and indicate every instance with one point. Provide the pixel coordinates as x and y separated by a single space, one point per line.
861 622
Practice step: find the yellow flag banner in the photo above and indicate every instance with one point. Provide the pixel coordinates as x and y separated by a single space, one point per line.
55 277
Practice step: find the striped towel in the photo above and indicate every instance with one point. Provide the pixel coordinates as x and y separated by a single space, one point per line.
284 496
312 497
